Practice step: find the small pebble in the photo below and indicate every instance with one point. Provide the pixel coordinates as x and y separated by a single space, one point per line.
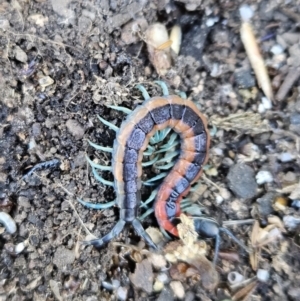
163 277
7 221
158 286
20 55
115 283
290 177
265 104
262 275
296 204
241 181
246 12
291 222
235 278
264 204
178 289
158 261
122 293
286 157
45 81
75 128
276 49
20 247
263 177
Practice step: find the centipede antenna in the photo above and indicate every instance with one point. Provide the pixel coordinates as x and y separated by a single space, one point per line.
156 178
164 167
163 86
237 241
141 232
181 94
97 166
110 125
96 206
217 249
151 162
100 179
101 148
121 109
144 91
116 230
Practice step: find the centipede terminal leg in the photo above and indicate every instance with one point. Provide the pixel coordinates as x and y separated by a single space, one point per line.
141 232
116 230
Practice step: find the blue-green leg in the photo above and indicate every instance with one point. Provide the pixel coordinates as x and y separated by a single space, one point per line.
163 86
144 91
97 206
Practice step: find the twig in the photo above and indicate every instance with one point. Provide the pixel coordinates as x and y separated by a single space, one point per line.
288 83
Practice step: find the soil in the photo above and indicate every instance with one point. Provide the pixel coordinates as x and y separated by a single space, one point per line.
65 62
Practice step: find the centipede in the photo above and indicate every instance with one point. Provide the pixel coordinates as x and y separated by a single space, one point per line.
156 114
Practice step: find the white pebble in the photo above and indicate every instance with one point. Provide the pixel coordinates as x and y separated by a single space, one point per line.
218 151
45 81
122 293
262 275
177 289
263 177
246 12
211 21
286 157
219 199
7 221
261 108
163 277
158 286
267 103
291 222
115 283
276 49
20 247
235 278
32 143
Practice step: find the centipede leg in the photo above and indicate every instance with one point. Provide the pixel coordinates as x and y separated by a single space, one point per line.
151 162
100 179
99 147
110 125
116 230
181 94
163 86
97 206
158 177
217 249
141 232
150 199
98 166
144 91
121 109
